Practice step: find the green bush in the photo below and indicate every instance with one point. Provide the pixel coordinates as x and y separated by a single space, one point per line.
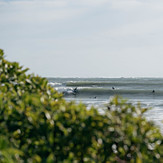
38 125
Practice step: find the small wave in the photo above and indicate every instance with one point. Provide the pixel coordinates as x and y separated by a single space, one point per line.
105 92
54 84
118 91
115 84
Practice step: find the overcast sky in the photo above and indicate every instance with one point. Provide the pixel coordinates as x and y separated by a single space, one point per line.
84 38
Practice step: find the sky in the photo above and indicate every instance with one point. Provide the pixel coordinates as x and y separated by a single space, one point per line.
84 38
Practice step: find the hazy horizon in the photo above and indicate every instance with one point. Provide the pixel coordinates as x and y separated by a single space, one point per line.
84 38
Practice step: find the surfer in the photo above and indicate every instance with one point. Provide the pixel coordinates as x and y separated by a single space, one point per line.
108 107
75 91
153 91
113 88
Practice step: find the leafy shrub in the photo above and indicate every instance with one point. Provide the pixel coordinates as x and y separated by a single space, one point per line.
38 125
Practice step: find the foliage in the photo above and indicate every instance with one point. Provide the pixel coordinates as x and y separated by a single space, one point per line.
38 125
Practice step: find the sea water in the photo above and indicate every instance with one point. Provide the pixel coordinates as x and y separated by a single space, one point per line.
98 91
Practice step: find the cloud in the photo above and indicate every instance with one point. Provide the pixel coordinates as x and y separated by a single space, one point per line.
136 29
125 4
29 11
103 30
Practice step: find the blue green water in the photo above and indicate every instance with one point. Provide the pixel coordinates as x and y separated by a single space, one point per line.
98 91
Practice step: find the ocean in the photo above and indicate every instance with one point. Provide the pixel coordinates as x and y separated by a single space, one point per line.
98 91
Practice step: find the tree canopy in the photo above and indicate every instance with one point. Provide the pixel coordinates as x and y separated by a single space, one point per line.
38 125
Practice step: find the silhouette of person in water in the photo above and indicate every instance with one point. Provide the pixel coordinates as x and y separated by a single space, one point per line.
153 91
108 107
75 91
113 88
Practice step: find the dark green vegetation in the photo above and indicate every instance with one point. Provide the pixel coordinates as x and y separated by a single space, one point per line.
38 125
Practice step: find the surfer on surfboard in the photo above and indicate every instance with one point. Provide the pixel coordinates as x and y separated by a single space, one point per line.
75 91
